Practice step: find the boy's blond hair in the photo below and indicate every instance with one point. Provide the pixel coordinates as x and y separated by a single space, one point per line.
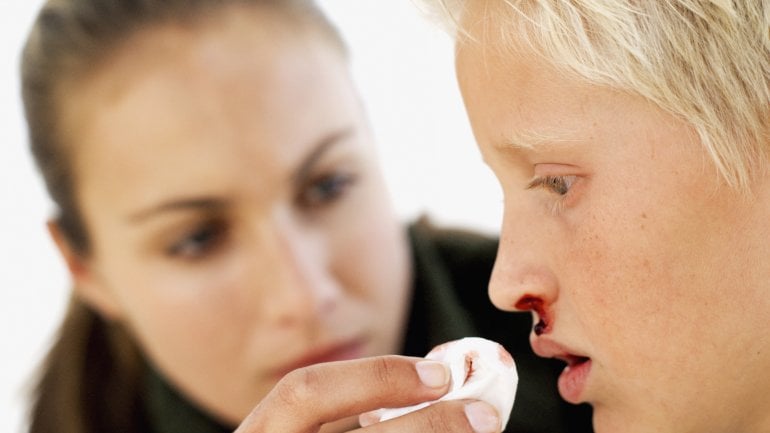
706 61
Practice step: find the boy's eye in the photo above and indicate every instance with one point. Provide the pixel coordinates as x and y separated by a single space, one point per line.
557 184
325 189
199 242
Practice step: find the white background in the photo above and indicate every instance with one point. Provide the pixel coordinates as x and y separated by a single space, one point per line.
404 68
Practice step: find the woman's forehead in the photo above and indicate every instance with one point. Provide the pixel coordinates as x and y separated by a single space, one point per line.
178 108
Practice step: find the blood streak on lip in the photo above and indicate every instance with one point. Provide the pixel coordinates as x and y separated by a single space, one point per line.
533 303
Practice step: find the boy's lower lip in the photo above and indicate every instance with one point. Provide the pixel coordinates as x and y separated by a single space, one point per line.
572 380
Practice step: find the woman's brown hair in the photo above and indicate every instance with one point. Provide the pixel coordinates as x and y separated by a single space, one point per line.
91 380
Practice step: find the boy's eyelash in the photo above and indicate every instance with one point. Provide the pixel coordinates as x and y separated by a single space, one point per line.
555 184
558 185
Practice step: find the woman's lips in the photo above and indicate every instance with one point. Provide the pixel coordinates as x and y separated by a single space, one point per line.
573 379
342 351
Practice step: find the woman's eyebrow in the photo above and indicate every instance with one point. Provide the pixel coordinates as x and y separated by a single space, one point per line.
217 204
321 148
177 205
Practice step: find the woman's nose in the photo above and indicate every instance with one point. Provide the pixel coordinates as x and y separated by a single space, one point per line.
522 279
301 287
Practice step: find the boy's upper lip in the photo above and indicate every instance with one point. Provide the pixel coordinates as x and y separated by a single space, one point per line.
548 348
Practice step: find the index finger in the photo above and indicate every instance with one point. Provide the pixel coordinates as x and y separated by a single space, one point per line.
309 397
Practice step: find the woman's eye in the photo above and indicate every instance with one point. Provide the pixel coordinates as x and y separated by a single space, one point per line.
557 184
325 190
199 242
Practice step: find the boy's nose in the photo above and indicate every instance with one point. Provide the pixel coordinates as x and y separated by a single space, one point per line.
522 279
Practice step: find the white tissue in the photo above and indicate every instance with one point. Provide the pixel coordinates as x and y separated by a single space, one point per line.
481 370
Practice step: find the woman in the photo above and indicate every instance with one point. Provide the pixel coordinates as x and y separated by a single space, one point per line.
225 223
632 142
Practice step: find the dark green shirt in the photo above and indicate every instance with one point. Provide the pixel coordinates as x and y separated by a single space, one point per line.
451 274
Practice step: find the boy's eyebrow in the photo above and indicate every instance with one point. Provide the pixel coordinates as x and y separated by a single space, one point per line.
531 140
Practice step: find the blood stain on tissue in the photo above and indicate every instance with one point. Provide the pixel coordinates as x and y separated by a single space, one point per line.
504 356
469 365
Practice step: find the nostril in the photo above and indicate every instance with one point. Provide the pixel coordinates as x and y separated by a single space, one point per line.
530 303
536 304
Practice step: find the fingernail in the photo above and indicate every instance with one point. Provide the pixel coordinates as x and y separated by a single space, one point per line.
433 373
482 417
368 418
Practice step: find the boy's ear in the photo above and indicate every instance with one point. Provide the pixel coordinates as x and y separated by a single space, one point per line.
89 287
